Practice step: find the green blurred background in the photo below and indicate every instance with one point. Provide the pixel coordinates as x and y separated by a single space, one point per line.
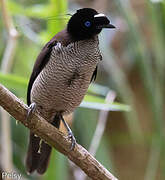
132 146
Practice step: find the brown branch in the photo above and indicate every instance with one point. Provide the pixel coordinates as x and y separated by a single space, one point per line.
53 136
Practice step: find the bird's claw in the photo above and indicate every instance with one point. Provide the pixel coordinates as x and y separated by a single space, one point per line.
73 140
31 109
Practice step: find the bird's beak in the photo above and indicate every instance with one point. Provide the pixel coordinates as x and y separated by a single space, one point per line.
101 17
111 26
107 26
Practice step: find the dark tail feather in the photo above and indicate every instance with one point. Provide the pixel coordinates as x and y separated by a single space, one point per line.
44 157
33 156
39 160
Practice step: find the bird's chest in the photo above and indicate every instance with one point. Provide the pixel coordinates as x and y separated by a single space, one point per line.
70 72
64 81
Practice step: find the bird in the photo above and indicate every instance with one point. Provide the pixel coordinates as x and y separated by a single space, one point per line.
63 70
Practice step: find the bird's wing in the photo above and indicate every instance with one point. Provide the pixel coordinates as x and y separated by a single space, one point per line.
94 75
43 58
40 63
93 78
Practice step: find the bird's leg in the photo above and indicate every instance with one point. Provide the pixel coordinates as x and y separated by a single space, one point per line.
31 109
70 134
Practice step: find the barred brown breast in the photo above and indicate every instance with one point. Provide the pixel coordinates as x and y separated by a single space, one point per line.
62 84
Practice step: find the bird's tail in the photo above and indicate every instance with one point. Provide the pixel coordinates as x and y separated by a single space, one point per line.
38 154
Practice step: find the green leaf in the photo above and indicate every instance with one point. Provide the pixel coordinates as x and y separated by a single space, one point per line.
13 82
96 102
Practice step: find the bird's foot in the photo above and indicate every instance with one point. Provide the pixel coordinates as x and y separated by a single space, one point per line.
73 140
31 109
70 134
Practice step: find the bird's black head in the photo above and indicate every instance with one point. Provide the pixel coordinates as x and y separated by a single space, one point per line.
86 23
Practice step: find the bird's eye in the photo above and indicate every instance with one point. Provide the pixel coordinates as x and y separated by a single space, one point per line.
87 23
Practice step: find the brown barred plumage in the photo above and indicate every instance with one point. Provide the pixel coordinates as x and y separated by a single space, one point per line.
61 76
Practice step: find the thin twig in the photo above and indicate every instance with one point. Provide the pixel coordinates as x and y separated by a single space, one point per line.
7 61
101 124
80 156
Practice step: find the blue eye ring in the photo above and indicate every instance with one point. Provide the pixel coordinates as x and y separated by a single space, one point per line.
87 23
